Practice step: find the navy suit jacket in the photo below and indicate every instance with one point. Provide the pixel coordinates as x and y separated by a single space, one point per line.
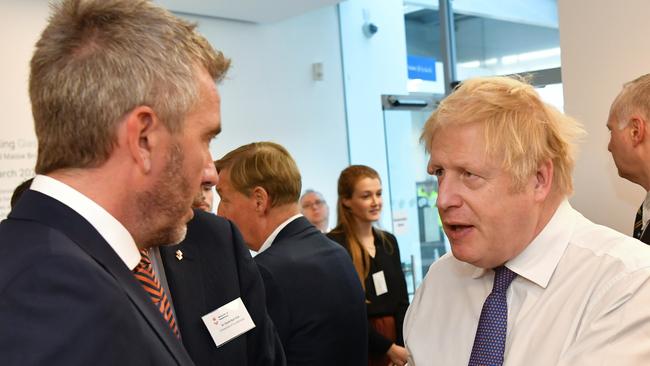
216 268
645 236
66 298
315 298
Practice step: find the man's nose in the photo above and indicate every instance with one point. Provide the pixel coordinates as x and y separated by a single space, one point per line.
447 194
210 175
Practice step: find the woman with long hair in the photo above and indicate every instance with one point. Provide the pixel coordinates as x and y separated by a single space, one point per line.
376 258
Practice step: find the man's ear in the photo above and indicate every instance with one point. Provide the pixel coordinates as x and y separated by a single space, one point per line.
141 122
261 199
637 129
544 180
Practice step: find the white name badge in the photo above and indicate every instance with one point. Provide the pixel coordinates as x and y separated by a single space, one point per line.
228 322
380 283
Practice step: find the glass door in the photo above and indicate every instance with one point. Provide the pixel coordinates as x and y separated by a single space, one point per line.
413 192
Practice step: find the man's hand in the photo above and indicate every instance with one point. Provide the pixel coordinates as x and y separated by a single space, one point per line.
398 355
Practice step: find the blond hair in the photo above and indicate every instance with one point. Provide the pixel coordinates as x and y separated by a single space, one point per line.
634 98
263 164
96 61
518 126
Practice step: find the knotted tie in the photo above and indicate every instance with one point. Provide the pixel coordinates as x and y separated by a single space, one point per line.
145 274
638 223
490 340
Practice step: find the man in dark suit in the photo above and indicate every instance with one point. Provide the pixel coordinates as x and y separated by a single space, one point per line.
629 143
314 296
209 269
122 133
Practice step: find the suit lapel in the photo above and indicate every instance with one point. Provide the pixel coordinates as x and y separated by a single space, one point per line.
184 276
36 206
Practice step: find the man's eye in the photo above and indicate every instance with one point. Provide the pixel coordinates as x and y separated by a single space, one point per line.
467 174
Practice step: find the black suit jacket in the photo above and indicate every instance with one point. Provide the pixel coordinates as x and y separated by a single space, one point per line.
314 298
216 268
66 298
645 236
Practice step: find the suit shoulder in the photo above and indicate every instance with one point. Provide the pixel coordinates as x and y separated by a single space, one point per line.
23 242
206 228
301 254
48 256
204 220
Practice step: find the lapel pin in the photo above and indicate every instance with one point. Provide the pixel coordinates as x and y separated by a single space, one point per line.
179 255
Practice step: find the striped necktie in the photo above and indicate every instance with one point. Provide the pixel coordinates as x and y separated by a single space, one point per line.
145 274
490 339
638 223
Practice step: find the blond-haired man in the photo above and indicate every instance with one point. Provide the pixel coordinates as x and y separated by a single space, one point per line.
312 292
629 143
530 281
124 104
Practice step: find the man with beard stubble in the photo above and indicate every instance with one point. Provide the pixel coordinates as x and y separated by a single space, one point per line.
122 133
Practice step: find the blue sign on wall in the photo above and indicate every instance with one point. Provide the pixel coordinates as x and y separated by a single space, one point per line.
422 68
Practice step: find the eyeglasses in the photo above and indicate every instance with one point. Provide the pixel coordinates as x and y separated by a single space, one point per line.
315 204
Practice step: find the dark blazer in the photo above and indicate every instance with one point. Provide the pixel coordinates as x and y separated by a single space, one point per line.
216 268
393 303
645 237
314 298
66 298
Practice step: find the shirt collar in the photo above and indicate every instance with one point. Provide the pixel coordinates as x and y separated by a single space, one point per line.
108 227
274 234
540 258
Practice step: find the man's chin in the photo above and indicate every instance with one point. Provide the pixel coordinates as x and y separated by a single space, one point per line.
203 207
178 236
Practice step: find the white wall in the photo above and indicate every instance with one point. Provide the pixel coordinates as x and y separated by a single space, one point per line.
269 93
21 25
604 44
372 67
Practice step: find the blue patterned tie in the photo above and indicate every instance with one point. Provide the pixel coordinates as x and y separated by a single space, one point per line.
490 340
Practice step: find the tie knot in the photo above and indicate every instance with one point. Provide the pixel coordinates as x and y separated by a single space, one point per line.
502 279
145 262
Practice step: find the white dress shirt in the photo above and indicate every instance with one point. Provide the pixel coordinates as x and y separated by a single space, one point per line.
581 297
108 227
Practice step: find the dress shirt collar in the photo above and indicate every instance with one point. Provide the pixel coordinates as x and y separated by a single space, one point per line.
274 234
540 258
108 227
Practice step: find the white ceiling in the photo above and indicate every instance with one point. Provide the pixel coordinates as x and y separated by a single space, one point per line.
256 11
